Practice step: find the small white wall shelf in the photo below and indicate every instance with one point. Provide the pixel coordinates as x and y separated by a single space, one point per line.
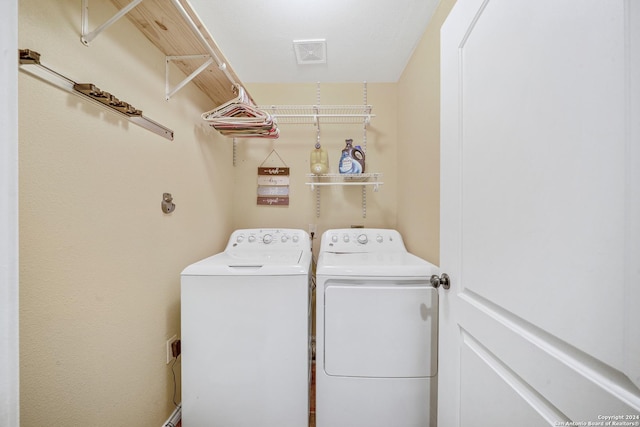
345 179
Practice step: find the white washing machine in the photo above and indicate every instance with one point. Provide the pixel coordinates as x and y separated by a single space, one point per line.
376 332
245 332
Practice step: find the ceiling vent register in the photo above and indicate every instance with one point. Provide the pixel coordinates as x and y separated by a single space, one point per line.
310 51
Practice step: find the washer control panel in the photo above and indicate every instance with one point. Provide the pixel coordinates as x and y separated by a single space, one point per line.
356 240
284 238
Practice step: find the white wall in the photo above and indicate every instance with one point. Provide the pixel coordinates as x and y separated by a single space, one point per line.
419 143
9 386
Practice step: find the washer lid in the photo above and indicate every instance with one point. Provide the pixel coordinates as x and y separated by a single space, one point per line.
255 263
388 264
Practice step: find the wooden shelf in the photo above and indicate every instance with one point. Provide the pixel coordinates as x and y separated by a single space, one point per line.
164 25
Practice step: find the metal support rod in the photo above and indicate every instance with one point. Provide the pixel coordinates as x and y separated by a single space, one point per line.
221 65
318 137
316 111
316 120
317 202
88 36
235 151
364 147
170 92
364 131
364 201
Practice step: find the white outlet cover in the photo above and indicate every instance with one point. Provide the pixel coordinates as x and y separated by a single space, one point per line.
169 352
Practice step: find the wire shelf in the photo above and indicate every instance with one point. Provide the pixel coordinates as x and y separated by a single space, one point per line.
345 179
312 114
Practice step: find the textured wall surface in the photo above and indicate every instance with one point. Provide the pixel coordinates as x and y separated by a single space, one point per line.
100 262
419 143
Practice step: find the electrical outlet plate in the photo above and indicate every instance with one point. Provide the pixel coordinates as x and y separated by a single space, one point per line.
312 229
169 352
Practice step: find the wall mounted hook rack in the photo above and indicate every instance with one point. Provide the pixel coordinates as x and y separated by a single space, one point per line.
29 61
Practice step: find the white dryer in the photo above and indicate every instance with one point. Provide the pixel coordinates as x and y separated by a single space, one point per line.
245 332
376 332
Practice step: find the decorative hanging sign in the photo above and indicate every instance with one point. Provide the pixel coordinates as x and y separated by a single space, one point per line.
273 183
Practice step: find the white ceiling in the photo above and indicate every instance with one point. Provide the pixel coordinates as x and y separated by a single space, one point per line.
367 40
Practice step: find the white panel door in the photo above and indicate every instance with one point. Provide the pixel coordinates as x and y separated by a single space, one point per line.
9 336
540 213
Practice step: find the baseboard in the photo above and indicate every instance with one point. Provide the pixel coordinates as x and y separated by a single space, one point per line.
175 417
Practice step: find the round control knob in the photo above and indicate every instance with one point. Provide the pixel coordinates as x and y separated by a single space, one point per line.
363 239
334 238
345 238
267 238
284 238
379 239
252 239
295 238
240 238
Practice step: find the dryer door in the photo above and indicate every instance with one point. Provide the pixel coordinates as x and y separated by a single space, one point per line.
380 329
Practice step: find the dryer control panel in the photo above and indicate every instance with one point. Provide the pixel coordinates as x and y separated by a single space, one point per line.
272 238
358 240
